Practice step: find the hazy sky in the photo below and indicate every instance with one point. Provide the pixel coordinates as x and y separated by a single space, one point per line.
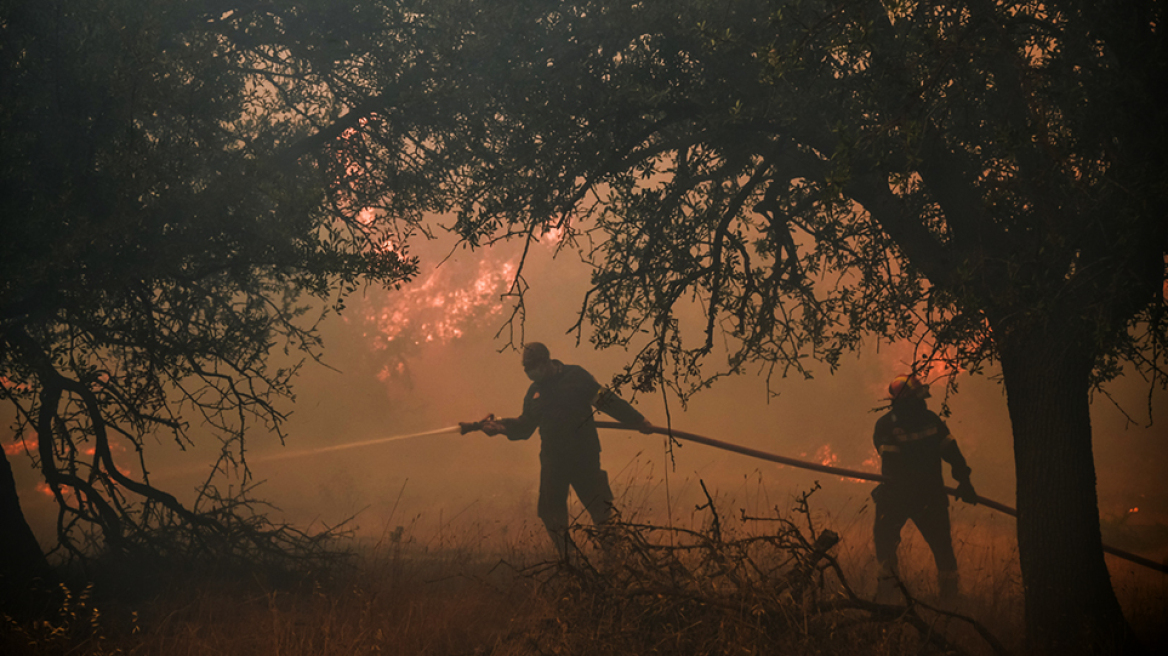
443 366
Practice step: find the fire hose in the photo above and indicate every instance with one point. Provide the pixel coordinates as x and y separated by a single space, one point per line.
849 473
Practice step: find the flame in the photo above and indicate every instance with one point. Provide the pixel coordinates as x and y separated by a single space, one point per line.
827 457
23 446
437 310
1134 510
903 358
9 384
443 306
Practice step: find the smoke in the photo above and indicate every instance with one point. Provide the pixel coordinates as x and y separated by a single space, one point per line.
438 352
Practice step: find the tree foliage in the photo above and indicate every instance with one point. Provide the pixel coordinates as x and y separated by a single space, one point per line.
172 215
813 172
983 178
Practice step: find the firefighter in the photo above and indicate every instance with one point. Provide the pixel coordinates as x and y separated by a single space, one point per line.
912 442
560 404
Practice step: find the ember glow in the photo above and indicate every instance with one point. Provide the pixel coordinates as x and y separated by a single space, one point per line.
9 384
827 457
20 446
904 358
442 306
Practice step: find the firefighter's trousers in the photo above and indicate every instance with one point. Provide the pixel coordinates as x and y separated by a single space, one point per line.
929 513
582 474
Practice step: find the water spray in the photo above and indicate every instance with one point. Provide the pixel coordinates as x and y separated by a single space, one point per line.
354 445
300 453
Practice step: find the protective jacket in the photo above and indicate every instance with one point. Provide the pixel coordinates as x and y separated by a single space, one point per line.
912 445
912 441
561 407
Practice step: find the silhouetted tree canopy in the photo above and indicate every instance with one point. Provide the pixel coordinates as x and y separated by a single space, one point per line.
170 213
986 179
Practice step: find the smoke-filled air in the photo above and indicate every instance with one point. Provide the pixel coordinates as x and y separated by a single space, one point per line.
528 327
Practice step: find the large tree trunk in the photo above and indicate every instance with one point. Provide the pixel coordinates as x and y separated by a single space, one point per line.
1070 604
24 571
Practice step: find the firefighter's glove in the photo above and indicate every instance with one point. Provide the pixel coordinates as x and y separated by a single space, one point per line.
966 493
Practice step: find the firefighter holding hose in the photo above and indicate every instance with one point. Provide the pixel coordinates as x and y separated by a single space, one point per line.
560 404
912 442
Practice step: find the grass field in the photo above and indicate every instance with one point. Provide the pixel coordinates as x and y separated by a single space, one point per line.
749 584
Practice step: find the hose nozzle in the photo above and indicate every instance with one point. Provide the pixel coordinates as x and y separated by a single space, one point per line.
470 426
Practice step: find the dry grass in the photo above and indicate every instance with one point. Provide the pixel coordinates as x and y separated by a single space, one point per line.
749 582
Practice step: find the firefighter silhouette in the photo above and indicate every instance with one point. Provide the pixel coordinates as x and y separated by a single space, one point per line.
560 402
912 441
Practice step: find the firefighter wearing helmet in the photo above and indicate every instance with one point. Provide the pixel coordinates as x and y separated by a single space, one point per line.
912 442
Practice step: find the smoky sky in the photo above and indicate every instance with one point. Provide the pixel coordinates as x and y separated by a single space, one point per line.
435 353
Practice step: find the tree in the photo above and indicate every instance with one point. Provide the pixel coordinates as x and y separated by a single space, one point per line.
172 210
984 178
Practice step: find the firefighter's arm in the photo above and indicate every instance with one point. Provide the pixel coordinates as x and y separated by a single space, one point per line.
951 453
523 426
518 428
882 438
619 409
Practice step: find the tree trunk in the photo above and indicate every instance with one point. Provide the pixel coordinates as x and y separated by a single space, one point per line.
23 567
1070 605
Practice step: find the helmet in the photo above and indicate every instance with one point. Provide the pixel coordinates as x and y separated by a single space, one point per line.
903 388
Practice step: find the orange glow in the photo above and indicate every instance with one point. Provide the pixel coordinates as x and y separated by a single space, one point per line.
436 310
440 307
903 358
21 446
43 487
553 233
827 457
1134 510
9 384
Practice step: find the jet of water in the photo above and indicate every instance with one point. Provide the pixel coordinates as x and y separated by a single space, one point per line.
355 445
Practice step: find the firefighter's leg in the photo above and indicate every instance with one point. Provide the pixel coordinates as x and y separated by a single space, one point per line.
933 523
593 490
553 506
890 519
591 484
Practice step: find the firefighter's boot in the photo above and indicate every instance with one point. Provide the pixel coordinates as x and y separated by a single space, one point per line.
948 585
